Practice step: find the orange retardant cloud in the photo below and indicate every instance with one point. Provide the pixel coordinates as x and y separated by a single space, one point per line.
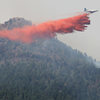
48 29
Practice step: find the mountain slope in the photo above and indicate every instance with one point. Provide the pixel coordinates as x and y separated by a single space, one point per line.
46 70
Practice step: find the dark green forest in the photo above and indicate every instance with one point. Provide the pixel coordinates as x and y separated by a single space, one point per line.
46 70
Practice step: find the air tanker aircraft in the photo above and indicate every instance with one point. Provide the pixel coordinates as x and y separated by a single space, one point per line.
90 11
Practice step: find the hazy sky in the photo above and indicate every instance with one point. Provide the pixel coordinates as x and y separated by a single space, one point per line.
43 10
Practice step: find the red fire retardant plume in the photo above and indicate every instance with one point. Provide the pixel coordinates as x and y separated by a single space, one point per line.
48 29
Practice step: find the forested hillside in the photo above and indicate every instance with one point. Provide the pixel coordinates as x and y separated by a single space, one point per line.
46 70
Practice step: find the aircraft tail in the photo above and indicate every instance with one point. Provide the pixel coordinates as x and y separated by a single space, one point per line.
85 9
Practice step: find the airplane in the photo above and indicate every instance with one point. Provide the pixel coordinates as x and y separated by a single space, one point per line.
90 11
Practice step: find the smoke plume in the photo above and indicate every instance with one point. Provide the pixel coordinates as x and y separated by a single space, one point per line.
48 29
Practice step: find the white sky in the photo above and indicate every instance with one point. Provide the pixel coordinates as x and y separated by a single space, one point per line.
43 10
